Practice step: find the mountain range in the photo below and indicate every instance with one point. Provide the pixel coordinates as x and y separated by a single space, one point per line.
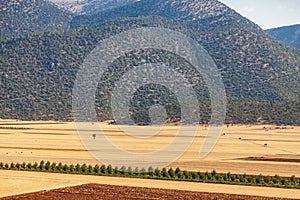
177 10
289 35
80 7
261 75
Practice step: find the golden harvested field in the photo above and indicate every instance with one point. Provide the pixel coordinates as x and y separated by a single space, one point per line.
20 182
240 149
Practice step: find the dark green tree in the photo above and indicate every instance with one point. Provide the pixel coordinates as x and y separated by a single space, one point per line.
84 168
157 172
151 171
103 169
164 173
53 166
78 168
72 168
110 170
41 166
171 172
48 166
96 169
12 165
66 168
29 166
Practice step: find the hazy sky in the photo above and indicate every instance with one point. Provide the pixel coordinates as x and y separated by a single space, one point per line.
268 13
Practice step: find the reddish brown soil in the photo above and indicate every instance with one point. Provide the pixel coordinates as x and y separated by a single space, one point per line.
108 192
273 159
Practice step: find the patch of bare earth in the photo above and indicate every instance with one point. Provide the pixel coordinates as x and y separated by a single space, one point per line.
295 159
110 192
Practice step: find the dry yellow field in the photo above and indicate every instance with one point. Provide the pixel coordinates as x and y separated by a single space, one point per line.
20 182
60 142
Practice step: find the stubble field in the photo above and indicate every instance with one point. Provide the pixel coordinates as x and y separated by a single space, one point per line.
257 149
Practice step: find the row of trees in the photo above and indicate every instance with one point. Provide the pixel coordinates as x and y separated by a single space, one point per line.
151 173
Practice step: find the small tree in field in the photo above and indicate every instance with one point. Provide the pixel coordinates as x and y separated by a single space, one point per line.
18 166
41 166
150 171
59 167
213 173
78 168
65 168
171 172
157 172
187 175
129 171
110 170
136 170
47 166
267 179
180 175
72 168
84 168
283 182
90 169
103 169
29 166
116 170
12 165
35 166
123 170
96 169
194 175
23 166
250 179
165 173
243 178
276 179
53 167
143 171
293 179
177 170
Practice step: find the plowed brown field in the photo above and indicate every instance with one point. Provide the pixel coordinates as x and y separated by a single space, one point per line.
111 192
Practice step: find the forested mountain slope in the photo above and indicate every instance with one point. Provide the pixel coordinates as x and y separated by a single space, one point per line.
261 75
180 10
289 35
255 70
18 17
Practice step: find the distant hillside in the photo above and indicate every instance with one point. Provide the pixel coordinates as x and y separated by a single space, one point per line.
18 17
250 50
90 6
289 35
261 75
179 10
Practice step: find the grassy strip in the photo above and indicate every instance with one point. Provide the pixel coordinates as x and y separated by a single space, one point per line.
14 128
162 174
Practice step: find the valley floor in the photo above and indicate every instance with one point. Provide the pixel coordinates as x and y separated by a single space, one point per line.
254 150
257 149
20 182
